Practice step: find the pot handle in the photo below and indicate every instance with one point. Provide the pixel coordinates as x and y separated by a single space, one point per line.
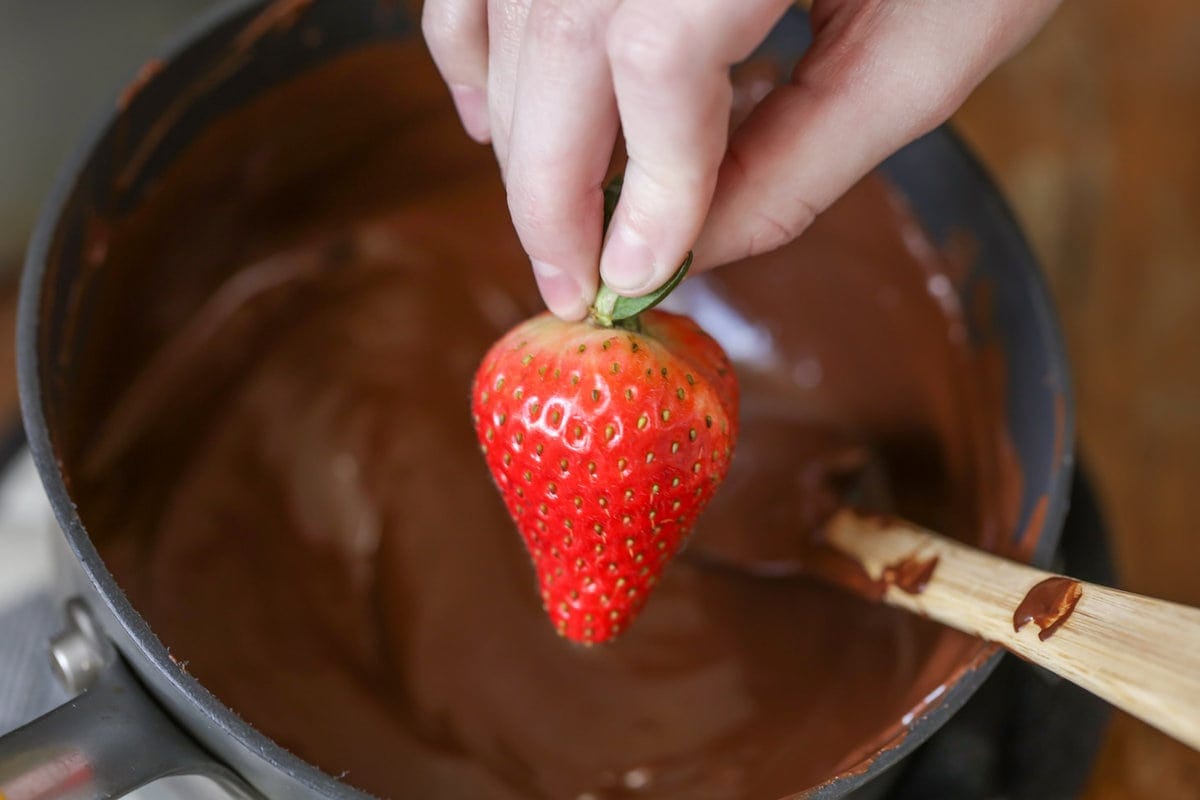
108 740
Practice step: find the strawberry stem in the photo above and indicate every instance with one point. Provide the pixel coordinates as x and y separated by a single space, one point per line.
602 309
610 308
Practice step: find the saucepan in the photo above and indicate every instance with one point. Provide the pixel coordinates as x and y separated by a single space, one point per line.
138 715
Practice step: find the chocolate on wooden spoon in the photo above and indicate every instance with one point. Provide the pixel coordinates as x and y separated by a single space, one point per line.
1138 653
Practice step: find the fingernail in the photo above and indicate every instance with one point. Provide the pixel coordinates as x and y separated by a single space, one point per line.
472 110
627 264
562 293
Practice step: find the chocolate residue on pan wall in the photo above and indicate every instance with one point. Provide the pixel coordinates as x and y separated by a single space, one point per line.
277 16
144 75
1048 605
270 442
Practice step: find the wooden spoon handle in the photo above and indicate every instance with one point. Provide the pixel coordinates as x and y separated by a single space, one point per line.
1140 654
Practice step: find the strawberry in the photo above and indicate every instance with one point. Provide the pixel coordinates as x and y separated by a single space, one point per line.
606 439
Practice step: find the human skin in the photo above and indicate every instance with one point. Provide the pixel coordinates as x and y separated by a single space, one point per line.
552 83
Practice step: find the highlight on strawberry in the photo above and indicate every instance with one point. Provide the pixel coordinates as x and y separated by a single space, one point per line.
606 439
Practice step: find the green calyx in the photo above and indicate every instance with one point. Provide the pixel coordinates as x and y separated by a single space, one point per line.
611 309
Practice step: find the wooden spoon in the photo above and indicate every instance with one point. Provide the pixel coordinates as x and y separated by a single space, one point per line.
1140 654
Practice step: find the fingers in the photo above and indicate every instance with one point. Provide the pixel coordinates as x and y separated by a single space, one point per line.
506 28
564 125
456 32
880 75
670 64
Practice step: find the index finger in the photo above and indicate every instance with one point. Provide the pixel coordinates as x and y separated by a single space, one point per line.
670 62
563 131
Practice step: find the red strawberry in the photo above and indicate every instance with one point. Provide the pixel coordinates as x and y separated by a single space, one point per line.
605 443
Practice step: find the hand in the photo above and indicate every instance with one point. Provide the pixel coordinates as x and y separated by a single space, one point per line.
550 82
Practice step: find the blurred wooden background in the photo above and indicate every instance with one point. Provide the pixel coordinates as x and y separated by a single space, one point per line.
1094 133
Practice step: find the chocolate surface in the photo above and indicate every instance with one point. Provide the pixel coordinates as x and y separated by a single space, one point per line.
910 575
1048 605
277 462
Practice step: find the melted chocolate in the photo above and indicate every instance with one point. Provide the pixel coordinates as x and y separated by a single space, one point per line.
910 575
1048 605
272 448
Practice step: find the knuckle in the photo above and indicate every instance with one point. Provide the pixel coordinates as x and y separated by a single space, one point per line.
639 44
767 231
674 202
766 224
771 226
535 217
562 24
